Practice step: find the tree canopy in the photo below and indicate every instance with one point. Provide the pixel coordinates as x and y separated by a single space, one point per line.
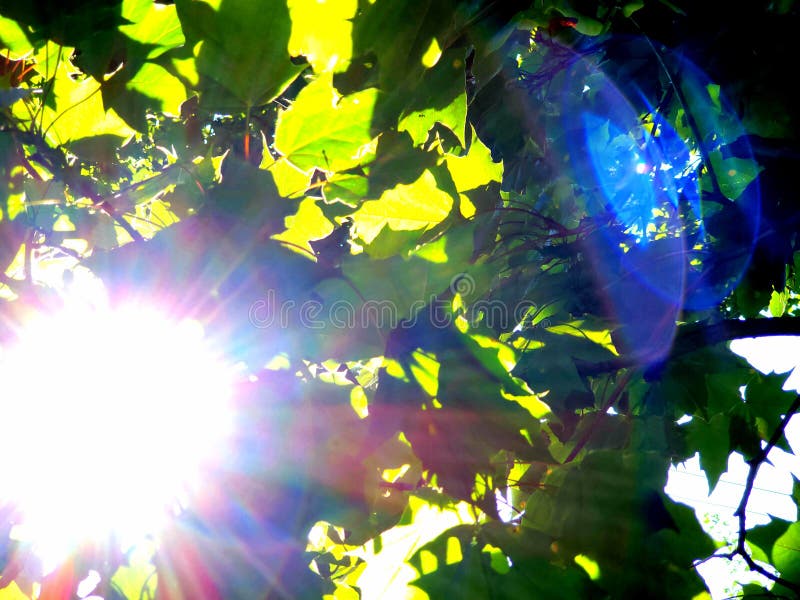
479 264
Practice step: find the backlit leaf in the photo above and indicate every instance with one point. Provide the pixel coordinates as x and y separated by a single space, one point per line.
417 206
152 24
241 49
786 551
475 169
326 48
322 129
438 97
164 90
79 111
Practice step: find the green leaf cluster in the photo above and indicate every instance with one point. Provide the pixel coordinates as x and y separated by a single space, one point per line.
479 262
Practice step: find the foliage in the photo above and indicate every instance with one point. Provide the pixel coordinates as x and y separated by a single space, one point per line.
528 229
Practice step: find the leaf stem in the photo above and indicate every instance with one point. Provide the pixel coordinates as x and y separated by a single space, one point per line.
612 399
48 88
690 120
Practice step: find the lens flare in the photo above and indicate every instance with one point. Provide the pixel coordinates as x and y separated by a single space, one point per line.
109 416
676 178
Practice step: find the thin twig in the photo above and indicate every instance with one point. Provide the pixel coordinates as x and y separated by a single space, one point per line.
690 120
741 512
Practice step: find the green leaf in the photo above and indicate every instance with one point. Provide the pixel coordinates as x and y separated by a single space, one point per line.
12 591
764 537
611 507
722 389
712 440
396 160
348 187
734 174
750 299
250 194
498 359
703 383
152 87
405 285
388 573
164 88
389 243
549 366
495 563
438 97
786 553
414 28
796 278
241 50
136 579
686 542
322 129
631 7
744 434
97 148
754 590
767 402
291 181
451 567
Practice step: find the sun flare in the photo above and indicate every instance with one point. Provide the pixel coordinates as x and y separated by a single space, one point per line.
108 416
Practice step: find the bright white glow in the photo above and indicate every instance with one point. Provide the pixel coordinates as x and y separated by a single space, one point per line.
779 354
108 415
88 585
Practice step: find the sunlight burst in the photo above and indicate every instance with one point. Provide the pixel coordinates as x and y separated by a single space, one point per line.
108 416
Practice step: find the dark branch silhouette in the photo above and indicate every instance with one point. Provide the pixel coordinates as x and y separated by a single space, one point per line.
754 464
695 336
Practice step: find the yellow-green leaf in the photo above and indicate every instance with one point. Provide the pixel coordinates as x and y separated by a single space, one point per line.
157 83
290 180
419 205
79 110
440 96
474 169
326 48
778 302
309 223
13 37
322 129
153 24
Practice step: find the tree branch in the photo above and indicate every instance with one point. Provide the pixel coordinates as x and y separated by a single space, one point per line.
754 465
694 336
